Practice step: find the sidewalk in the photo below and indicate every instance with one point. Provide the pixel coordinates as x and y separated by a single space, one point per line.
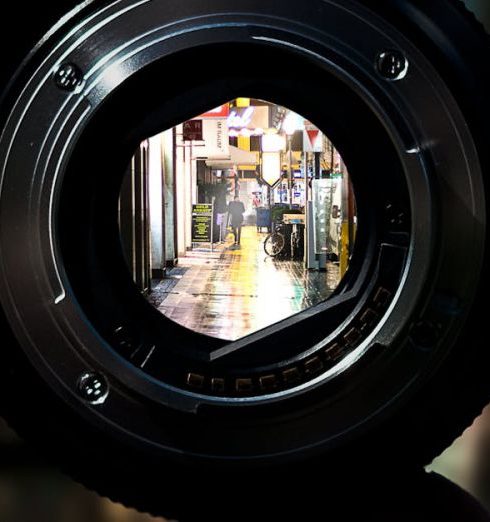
235 292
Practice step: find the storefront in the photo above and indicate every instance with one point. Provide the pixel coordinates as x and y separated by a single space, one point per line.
276 163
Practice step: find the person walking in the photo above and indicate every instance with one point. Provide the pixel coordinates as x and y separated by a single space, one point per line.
236 210
256 203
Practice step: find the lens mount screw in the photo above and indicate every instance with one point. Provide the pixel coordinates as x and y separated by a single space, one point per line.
425 335
93 388
68 77
392 65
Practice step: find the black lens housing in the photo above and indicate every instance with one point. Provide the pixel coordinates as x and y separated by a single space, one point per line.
66 293
95 262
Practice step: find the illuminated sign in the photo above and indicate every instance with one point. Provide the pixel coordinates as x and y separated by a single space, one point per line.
271 167
255 119
202 223
239 121
273 143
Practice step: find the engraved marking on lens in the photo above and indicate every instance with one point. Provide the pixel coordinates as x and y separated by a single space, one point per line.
121 339
147 358
136 351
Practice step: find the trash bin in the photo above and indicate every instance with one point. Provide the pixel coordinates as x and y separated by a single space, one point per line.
263 218
298 242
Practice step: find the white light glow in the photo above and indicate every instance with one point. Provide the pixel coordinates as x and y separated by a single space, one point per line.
271 167
292 123
238 121
273 143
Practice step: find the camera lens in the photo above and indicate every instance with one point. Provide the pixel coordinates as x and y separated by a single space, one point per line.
243 238
263 231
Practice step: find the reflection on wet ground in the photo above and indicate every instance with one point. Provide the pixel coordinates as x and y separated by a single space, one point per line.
233 292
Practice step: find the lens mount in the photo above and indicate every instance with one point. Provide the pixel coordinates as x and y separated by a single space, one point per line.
395 316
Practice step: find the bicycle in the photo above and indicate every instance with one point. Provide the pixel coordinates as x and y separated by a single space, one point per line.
275 242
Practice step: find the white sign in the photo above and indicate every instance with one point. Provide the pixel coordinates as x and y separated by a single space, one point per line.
237 120
312 140
273 143
254 117
216 143
271 167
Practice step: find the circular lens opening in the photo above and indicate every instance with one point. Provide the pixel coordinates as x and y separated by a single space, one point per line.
107 205
237 219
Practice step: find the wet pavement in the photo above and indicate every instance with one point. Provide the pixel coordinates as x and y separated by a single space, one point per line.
235 291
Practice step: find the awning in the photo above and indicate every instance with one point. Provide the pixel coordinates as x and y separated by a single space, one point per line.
237 157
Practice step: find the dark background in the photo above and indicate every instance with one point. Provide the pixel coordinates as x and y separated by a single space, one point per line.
30 491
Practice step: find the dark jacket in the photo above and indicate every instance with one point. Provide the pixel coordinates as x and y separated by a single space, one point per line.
236 209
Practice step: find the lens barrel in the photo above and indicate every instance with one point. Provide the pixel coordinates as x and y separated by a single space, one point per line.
394 362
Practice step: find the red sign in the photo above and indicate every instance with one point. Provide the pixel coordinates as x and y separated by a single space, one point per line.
192 130
220 112
313 135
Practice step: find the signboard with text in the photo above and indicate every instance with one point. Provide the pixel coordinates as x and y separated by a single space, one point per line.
256 117
216 143
202 223
192 130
